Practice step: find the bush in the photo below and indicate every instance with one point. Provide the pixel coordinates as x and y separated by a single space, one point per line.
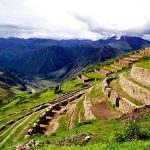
132 132
36 95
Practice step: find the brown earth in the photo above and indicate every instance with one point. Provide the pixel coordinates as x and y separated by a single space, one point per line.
102 110
138 113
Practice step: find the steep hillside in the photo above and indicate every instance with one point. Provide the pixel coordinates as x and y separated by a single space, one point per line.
9 85
105 106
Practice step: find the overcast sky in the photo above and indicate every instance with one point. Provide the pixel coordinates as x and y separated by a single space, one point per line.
80 19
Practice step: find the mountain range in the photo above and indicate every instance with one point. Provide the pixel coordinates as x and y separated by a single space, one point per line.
56 60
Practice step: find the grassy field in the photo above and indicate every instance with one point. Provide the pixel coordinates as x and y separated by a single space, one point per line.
104 131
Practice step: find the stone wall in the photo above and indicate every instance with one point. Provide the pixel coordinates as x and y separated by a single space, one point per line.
145 52
102 72
83 78
123 63
139 93
121 103
140 74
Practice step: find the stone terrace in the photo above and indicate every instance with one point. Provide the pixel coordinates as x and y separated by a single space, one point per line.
123 63
83 78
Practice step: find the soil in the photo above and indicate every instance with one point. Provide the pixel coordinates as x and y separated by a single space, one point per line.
138 113
101 110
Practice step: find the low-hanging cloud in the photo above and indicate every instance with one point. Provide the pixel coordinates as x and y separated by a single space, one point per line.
95 27
66 19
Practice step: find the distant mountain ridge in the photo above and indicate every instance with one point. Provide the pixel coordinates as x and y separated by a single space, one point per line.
46 57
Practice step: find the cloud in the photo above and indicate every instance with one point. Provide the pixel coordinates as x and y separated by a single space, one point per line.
65 19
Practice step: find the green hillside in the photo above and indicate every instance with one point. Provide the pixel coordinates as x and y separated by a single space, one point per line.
89 120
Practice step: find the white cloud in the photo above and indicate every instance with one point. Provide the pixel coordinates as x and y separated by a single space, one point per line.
59 19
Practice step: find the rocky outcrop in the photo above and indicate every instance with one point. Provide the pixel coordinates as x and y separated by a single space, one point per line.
140 74
139 93
123 104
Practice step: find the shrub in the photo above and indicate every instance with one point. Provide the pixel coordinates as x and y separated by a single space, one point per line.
36 95
132 132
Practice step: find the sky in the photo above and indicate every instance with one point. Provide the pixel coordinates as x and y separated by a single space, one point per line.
74 19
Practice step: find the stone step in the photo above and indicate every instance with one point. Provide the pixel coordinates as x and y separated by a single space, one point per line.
136 56
135 89
116 87
116 67
43 125
109 68
55 111
131 59
48 117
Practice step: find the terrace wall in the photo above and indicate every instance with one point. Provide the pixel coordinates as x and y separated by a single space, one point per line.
140 74
121 103
139 93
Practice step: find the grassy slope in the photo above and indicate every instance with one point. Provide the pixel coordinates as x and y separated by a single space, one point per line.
103 128
104 131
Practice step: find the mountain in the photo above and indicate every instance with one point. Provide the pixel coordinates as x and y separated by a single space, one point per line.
8 84
56 59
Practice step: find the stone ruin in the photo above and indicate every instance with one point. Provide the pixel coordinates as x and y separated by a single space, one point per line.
121 103
146 51
83 78
48 115
58 89
102 72
124 63
140 74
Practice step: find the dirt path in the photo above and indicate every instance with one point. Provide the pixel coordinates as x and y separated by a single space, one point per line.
87 109
11 133
53 125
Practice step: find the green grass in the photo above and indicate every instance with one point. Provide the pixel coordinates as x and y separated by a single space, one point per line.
94 75
79 111
143 64
104 130
70 85
24 102
138 145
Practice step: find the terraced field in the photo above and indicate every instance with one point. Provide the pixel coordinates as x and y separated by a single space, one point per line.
93 108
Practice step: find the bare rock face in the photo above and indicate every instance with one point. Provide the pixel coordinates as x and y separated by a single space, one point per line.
140 74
